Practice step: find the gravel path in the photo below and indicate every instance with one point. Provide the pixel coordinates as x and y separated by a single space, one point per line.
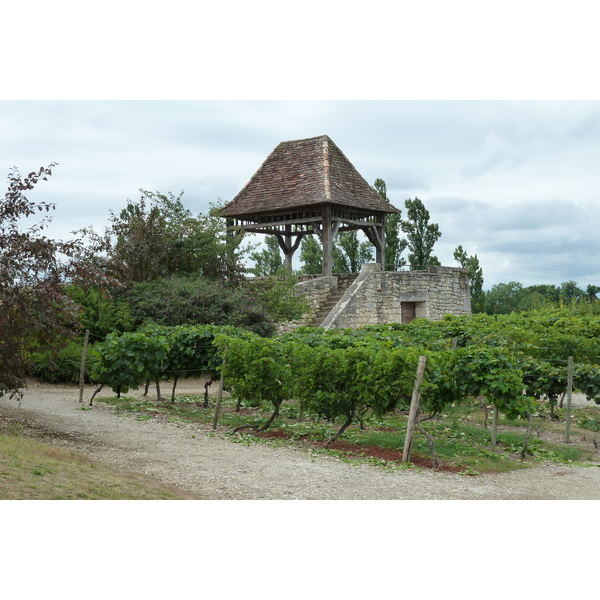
195 459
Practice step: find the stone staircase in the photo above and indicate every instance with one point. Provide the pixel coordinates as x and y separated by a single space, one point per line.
327 307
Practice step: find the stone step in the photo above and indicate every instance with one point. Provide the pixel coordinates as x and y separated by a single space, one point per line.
326 308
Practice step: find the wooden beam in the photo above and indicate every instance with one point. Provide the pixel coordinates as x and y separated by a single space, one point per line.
357 223
317 230
271 222
270 231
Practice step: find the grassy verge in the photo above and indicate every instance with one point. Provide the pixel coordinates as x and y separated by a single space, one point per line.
462 434
31 470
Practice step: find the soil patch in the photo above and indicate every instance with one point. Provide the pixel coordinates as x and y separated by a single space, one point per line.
360 452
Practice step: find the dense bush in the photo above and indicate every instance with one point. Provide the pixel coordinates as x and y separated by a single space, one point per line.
63 366
198 301
101 314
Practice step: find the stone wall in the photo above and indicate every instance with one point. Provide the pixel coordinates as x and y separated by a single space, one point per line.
376 297
316 290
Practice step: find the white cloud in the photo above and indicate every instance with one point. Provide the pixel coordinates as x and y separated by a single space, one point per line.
515 182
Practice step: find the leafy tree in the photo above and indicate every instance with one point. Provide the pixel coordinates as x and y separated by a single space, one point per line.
267 261
421 234
569 292
475 277
349 253
35 310
157 236
394 244
311 256
504 298
591 292
540 296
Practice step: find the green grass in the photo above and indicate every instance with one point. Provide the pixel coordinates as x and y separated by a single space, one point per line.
462 441
31 470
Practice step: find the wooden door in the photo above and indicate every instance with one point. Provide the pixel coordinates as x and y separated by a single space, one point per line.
408 311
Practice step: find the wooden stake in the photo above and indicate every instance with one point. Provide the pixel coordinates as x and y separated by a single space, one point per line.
219 397
82 370
494 428
414 410
569 398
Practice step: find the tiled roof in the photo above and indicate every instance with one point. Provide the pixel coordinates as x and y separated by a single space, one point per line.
302 173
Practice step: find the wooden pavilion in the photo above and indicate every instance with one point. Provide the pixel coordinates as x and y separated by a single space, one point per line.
308 187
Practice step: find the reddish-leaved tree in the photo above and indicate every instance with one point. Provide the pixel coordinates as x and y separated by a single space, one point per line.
35 311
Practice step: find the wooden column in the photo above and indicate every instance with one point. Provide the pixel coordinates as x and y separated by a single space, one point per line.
288 243
287 246
380 248
327 240
376 235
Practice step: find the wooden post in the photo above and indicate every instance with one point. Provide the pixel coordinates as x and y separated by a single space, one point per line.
219 396
82 369
290 252
569 398
414 410
327 241
380 248
494 428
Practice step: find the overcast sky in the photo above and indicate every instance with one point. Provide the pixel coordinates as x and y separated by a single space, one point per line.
516 182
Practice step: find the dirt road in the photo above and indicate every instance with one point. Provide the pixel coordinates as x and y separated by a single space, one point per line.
200 461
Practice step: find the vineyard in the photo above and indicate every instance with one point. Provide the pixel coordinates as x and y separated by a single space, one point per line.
358 384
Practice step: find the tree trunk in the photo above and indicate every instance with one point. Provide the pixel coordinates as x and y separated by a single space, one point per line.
494 428
173 391
94 394
487 414
265 426
527 436
206 386
552 401
435 459
341 430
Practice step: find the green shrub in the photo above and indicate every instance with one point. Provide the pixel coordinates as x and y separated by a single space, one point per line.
63 366
101 314
199 301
